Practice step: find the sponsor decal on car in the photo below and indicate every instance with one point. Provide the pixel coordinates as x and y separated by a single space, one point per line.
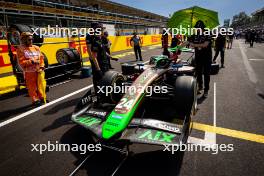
117 116
163 126
86 100
88 121
157 136
97 113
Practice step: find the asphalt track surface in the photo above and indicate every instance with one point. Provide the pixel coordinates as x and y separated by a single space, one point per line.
237 104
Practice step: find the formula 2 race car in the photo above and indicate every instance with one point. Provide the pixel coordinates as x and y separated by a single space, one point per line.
161 118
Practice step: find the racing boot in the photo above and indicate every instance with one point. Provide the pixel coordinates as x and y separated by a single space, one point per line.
199 90
36 103
42 101
205 94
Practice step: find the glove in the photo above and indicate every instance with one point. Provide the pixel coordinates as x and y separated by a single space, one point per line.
34 62
41 69
99 73
115 59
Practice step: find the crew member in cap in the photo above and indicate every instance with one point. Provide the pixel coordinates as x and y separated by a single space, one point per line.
31 61
98 54
201 41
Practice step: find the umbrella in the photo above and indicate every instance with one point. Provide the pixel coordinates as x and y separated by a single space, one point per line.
188 17
42 84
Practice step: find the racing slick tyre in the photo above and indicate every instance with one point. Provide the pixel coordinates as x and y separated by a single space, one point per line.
108 81
64 55
37 40
185 100
14 32
67 55
76 54
77 59
128 69
16 29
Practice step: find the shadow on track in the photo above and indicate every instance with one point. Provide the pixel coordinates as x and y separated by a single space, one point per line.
201 99
13 94
155 163
59 122
12 112
261 95
61 106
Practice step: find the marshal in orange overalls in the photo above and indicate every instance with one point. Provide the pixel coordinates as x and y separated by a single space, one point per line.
32 62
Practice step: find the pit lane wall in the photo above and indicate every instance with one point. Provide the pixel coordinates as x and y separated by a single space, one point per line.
52 45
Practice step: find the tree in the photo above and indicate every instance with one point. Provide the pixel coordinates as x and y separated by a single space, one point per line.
240 20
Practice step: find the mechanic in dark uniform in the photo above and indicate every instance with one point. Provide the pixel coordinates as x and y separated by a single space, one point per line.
220 43
136 42
203 57
98 55
174 41
165 43
107 44
252 36
230 41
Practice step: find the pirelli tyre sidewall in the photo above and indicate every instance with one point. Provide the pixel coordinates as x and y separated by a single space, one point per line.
111 78
37 40
15 30
185 100
67 55
76 54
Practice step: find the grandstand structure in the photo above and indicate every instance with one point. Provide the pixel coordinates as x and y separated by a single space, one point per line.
258 18
80 13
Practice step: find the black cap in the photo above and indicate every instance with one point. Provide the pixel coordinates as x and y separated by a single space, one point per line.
105 33
96 25
199 24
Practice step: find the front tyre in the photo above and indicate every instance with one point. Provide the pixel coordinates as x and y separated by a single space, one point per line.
185 96
109 80
185 102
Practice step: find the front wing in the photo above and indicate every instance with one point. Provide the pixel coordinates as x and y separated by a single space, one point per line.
144 131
